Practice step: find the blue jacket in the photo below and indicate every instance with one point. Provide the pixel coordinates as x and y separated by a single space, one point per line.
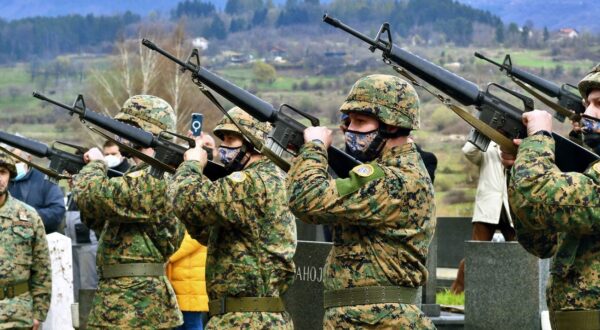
45 196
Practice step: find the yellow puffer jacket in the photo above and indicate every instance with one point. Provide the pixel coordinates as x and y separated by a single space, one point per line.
186 271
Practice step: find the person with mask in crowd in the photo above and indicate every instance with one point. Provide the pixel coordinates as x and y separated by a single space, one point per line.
139 231
382 214
113 157
557 215
31 187
187 269
25 273
244 220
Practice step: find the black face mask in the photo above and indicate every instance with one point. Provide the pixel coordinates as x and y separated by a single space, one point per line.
364 146
592 140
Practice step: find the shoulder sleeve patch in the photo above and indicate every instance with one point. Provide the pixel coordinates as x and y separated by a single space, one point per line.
596 167
237 177
136 174
359 176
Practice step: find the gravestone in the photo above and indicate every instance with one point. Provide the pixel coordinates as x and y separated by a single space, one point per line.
504 286
429 290
451 234
304 299
59 315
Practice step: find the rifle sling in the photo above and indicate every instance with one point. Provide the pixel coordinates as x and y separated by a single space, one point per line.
505 143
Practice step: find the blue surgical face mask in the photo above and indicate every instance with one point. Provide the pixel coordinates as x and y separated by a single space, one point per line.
228 154
21 171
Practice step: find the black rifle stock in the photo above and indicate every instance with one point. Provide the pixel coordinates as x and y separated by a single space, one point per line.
60 160
166 151
566 98
494 111
288 133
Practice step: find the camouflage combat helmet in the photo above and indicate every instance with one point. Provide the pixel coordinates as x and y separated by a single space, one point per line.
391 99
9 163
250 124
151 113
589 82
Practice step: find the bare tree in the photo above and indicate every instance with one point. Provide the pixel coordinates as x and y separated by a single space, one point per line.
136 69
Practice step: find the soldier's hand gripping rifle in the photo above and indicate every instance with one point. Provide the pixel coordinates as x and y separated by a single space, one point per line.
498 119
168 155
288 133
569 101
60 160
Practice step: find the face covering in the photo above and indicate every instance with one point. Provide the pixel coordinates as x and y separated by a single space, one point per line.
112 160
228 154
21 171
364 146
589 126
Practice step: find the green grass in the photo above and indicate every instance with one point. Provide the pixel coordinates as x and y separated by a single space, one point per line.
447 298
243 76
15 75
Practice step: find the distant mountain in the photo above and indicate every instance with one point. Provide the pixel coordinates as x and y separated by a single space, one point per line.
15 9
554 14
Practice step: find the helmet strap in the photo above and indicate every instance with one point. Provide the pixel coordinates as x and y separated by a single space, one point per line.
241 159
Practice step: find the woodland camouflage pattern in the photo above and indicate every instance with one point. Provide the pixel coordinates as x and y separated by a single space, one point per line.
557 214
137 226
252 125
590 81
25 256
382 227
250 233
149 112
9 163
391 99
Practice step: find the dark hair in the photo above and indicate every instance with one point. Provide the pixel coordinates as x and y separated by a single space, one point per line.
386 131
108 144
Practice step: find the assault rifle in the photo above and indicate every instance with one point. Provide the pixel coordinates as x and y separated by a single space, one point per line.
288 134
569 102
168 155
496 115
60 160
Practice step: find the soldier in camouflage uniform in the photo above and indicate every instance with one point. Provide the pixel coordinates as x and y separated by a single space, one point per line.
138 231
558 215
382 214
245 222
25 274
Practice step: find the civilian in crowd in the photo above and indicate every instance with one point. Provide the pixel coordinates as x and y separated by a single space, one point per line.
491 202
113 157
31 187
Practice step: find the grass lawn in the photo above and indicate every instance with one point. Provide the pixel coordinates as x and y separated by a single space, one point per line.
447 298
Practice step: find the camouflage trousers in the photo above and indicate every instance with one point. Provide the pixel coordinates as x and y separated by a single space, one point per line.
376 316
254 321
135 303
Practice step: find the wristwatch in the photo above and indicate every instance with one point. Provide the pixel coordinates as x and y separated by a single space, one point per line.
544 133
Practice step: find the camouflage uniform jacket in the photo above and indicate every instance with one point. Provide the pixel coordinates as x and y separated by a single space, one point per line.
558 214
246 224
137 226
25 257
382 222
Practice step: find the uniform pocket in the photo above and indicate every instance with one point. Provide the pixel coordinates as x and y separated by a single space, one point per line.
22 244
24 233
